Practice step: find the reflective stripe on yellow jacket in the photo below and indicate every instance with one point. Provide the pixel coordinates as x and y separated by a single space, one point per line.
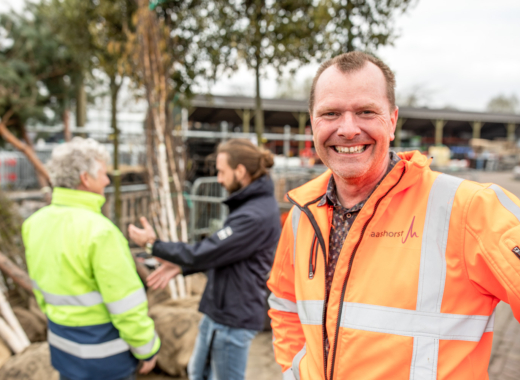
416 284
85 281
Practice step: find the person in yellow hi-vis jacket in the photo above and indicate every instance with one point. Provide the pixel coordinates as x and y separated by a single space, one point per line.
83 274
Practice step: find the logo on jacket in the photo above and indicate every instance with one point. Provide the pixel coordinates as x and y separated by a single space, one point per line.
225 233
396 234
410 233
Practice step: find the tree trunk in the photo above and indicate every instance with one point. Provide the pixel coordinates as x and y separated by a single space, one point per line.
155 77
19 276
176 181
81 103
350 41
67 133
11 319
114 92
24 148
45 185
259 113
10 337
154 205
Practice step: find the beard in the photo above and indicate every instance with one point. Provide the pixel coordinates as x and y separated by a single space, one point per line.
233 186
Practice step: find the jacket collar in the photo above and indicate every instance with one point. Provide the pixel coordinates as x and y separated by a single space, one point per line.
263 186
77 198
413 162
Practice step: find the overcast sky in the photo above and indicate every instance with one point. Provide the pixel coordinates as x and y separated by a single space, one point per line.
460 52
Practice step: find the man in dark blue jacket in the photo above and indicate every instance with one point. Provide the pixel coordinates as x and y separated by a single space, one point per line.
236 259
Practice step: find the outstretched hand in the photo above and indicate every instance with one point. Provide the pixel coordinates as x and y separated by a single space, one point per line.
141 236
160 277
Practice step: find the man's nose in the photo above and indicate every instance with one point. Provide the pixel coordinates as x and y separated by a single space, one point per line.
347 126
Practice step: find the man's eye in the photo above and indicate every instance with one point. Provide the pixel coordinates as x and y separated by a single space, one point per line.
367 112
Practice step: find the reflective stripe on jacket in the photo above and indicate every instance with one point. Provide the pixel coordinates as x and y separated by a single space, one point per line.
416 284
85 281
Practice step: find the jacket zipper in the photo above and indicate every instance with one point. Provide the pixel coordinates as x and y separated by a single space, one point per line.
321 241
313 257
351 261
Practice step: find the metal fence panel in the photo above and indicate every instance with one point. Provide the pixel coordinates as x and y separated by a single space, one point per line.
207 212
16 171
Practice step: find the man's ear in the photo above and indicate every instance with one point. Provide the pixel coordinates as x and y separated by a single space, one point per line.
394 117
241 172
84 180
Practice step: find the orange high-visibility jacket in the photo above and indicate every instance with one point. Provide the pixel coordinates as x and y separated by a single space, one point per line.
415 287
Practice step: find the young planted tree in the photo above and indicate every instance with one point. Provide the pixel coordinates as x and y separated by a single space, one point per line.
260 34
348 25
35 72
110 28
278 34
69 21
157 72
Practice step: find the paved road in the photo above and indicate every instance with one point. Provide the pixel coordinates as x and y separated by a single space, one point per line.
505 357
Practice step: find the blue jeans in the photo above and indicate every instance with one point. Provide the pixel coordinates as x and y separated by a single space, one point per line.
131 377
227 358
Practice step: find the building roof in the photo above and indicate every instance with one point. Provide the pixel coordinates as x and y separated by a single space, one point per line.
295 106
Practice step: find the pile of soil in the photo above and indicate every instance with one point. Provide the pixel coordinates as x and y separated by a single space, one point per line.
32 364
177 323
33 322
5 353
198 283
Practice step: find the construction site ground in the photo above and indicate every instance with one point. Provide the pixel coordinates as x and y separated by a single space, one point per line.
505 359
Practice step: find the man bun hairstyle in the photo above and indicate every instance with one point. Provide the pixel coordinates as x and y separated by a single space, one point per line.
256 160
353 61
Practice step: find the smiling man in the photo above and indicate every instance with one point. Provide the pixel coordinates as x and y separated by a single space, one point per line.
386 269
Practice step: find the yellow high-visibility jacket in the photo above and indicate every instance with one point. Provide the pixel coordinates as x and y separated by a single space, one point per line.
85 281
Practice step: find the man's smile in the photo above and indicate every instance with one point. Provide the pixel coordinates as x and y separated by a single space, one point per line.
350 149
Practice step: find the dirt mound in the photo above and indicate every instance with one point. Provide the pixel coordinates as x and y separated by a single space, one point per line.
34 327
5 353
32 364
157 296
198 283
176 322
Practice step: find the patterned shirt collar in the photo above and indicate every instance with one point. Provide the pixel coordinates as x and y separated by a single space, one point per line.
331 197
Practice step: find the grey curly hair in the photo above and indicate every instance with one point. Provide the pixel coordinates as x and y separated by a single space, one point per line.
70 160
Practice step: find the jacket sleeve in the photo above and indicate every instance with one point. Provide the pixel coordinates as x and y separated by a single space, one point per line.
123 293
240 237
492 245
37 293
288 338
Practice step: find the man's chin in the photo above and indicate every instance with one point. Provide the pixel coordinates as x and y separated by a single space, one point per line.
233 188
352 172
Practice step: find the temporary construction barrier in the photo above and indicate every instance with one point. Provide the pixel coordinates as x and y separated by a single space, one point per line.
135 200
16 172
207 212
288 178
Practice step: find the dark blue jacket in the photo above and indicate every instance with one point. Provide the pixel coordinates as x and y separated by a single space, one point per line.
236 259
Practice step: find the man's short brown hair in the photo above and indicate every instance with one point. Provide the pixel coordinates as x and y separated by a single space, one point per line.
352 61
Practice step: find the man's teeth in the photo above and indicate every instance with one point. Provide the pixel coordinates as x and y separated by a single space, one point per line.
351 149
